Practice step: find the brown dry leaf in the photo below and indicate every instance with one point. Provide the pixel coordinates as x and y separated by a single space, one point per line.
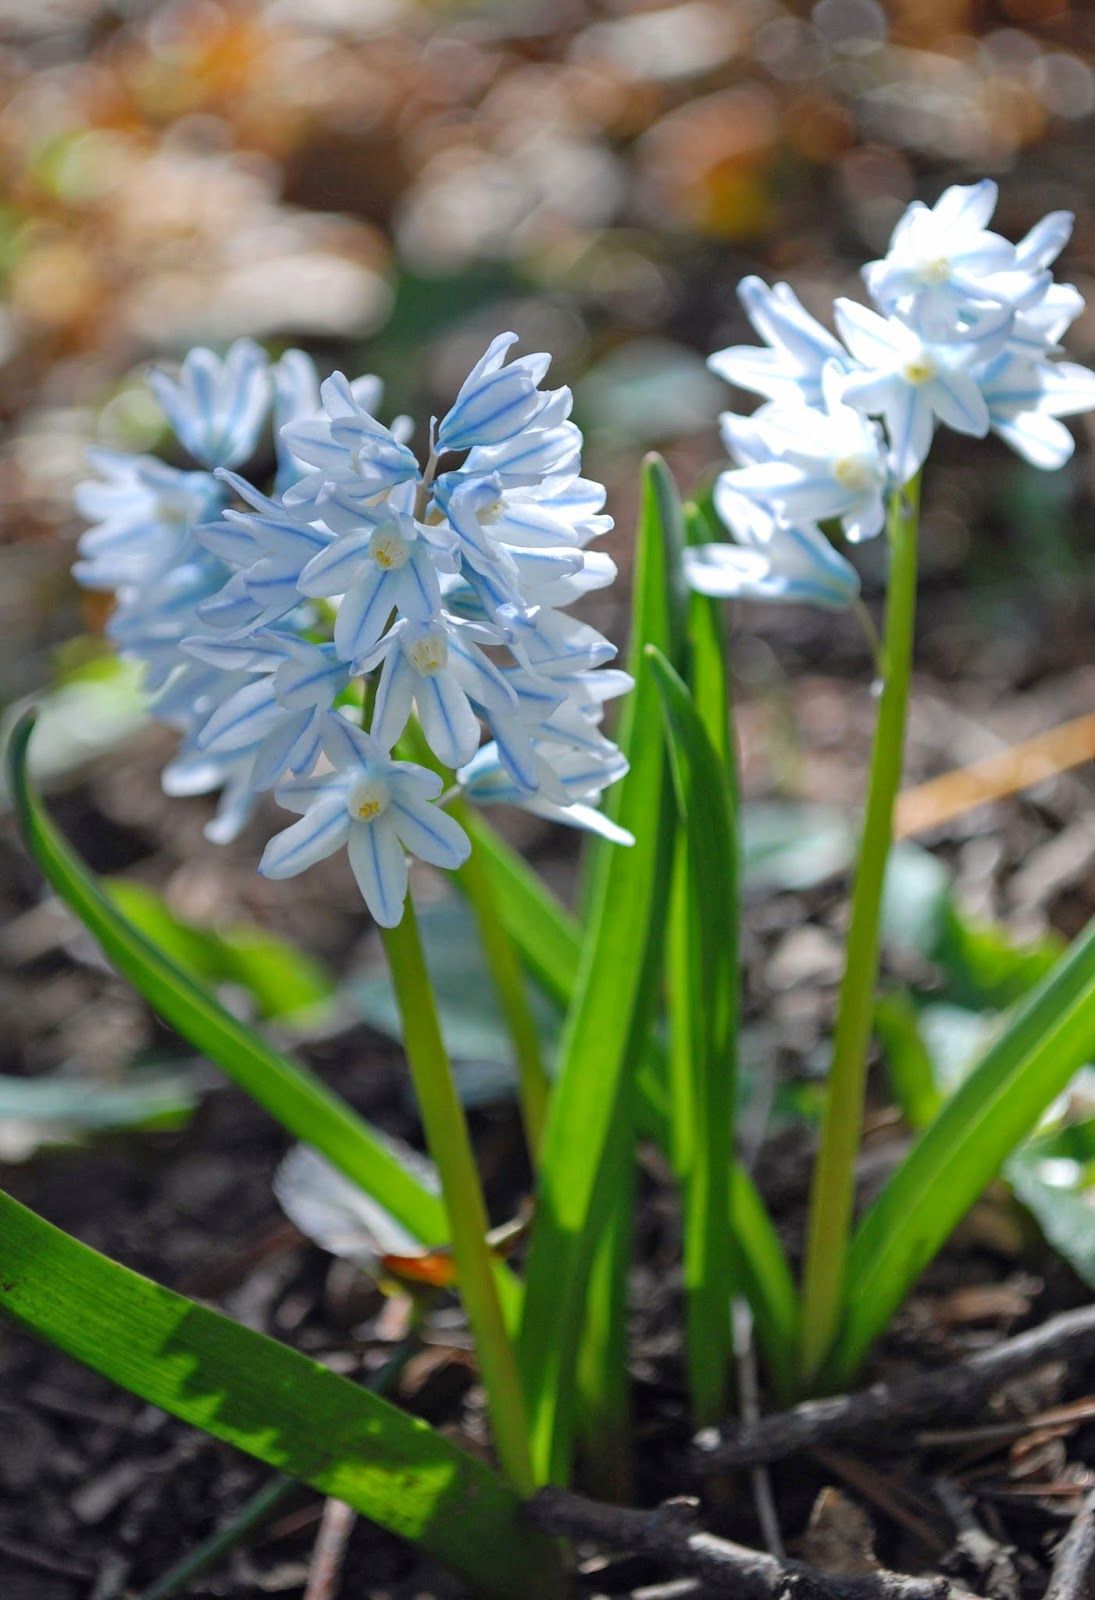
986 1302
839 1536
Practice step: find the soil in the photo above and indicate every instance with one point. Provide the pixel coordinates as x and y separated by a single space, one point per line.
101 1493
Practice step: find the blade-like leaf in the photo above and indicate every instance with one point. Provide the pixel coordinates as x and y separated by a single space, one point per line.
271 1402
606 1022
763 1266
705 1003
1049 1039
911 1072
299 1101
283 982
760 1266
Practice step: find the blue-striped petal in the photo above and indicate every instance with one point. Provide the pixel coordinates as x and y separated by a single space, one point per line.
380 868
318 834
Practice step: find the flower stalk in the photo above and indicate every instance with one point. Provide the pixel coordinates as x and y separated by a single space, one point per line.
533 1083
833 1188
449 1144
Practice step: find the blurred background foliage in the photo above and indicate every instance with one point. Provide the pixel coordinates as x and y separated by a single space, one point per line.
387 182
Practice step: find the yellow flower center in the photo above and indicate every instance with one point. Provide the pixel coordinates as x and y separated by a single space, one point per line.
938 270
367 799
853 472
389 549
429 653
919 370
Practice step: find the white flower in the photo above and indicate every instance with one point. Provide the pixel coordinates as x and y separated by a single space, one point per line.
820 464
378 808
347 446
280 712
217 407
1045 241
268 547
144 514
798 347
946 255
257 621
1025 399
195 772
910 379
438 668
495 402
392 566
583 776
772 560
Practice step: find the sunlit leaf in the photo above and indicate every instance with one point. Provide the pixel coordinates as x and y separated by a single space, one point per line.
708 1010
293 1095
272 1403
606 1025
1051 1035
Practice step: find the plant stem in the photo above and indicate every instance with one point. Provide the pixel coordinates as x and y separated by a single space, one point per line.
833 1188
450 1146
509 982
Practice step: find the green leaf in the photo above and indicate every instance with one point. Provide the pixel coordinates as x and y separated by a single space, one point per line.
530 908
283 981
908 1059
62 1108
1054 1177
607 1021
272 1403
707 972
85 717
708 674
1050 1037
292 1094
982 968
760 1266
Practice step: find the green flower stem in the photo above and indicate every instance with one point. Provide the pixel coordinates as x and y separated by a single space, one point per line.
833 1189
450 1146
509 982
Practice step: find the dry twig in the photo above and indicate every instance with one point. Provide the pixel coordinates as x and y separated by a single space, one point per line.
1074 1567
329 1551
959 1388
670 1537
991 1559
749 1405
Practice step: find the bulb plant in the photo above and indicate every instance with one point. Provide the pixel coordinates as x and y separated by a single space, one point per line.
382 640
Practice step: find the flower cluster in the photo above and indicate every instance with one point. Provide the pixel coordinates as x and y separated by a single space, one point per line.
964 332
365 588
